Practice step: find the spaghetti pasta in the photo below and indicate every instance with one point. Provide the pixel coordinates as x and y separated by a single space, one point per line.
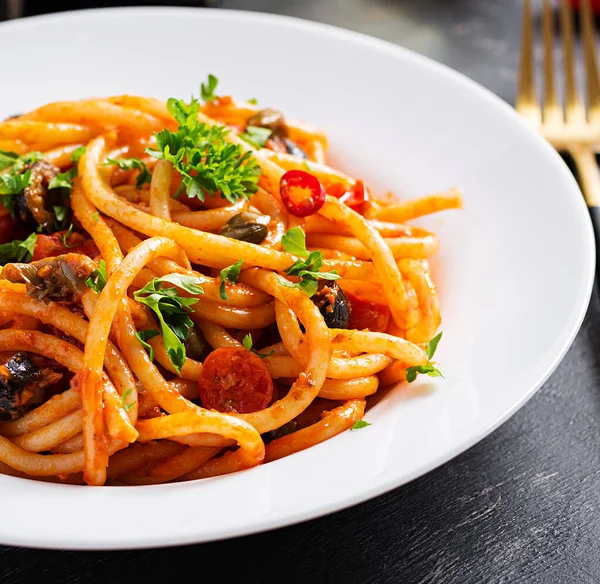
171 316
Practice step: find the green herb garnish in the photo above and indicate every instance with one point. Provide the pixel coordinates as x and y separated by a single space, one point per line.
63 180
253 100
18 251
359 424
231 273
256 136
306 270
97 279
124 397
77 154
207 163
64 238
172 310
429 369
247 342
144 336
96 216
207 92
144 175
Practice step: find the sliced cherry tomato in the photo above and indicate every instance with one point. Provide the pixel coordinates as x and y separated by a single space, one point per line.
52 245
368 315
301 193
7 228
356 197
234 380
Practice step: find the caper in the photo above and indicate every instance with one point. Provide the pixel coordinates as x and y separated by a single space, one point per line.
247 226
195 345
295 150
269 118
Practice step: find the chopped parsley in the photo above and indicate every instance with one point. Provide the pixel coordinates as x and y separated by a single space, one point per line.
61 213
96 216
18 251
207 163
65 237
307 268
77 154
359 424
247 342
143 337
429 368
172 311
253 100
256 136
124 397
231 273
207 92
144 176
97 279
7 159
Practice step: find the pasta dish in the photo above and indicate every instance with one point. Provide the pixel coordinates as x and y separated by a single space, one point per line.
188 289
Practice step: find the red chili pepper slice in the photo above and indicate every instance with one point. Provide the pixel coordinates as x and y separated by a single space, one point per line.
301 193
356 197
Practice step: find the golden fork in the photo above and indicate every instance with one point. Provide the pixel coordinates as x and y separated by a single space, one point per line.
573 127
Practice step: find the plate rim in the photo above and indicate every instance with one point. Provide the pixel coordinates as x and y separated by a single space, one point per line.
155 540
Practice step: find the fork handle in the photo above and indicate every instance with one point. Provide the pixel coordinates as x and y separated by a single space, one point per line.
589 180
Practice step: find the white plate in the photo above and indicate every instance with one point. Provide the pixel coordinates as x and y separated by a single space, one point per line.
515 269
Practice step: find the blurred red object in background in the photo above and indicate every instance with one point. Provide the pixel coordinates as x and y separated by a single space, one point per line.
595 4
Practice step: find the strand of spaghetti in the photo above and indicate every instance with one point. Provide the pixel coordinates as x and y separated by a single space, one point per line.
56 407
142 196
392 374
412 209
118 421
394 347
74 444
429 305
202 248
61 156
343 389
172 467
338 368
52 435
209 220
318 224
333 423
95 348
251 449
48 134
401 247
191 368
160 190
138 455
403 313
239 295
16 146
96 112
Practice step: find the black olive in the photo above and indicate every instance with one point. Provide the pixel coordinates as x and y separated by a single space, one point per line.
269 118
286 429
294 149
18 372
333 305
195 345
247 226
13 117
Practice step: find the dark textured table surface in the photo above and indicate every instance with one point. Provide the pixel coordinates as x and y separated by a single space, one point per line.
521 506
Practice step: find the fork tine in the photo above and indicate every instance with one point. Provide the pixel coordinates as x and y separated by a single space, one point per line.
527 103
591 63
552 110
574 108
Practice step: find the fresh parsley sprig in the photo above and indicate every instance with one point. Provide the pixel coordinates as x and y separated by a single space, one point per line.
429 368
307 268
360 424
144 175
231 273
172 311
247 342
11 185
207 92
65 238
124 397
63 180
97 279
208 164
17 250
77 154
143 337
256 136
